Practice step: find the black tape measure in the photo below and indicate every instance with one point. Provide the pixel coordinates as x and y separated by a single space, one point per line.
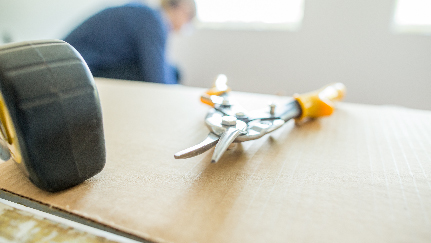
51 119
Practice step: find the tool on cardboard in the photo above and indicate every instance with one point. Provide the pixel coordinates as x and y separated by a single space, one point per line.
51 119
228 122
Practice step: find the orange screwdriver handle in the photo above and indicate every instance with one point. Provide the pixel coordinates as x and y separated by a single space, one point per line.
219 88
320 102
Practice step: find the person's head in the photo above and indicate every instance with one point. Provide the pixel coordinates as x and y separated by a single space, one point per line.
179 12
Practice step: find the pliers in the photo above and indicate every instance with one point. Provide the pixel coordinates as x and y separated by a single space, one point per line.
228 122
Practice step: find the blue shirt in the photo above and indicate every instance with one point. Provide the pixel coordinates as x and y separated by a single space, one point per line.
126 42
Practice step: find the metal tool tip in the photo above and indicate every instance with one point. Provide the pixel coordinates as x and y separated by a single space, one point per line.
213 161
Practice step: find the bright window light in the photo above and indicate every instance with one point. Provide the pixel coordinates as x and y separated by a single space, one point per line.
413 16
250 13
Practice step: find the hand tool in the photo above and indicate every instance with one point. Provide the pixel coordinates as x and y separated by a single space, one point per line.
228 122
51 119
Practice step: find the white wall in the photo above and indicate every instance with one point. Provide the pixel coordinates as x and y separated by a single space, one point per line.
42 19
340 41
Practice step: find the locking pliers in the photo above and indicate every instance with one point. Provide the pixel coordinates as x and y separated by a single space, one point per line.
228 122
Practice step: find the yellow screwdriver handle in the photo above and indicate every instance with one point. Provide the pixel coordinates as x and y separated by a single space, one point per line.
320 102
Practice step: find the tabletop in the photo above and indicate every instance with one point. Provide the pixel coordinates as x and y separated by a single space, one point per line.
360 175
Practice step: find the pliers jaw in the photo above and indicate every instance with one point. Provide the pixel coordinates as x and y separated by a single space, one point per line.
229 124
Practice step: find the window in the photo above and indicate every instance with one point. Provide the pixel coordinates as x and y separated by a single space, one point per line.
250 14
413 16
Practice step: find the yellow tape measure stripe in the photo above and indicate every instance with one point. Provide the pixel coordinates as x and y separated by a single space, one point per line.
8 131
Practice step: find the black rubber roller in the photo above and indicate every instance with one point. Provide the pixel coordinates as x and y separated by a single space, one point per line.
51 119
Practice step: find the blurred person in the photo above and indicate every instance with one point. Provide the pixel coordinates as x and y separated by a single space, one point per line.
129 41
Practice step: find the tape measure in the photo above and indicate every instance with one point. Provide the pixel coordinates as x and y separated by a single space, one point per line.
51 119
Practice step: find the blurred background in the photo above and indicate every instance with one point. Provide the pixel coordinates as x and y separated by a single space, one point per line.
380 49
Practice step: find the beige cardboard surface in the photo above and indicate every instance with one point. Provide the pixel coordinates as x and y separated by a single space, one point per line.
361 175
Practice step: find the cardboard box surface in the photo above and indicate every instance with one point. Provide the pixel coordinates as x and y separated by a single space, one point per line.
360 175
